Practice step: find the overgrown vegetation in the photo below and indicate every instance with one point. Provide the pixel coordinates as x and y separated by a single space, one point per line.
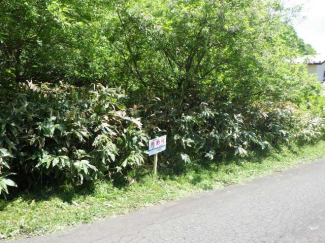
68 133
84 84
53 209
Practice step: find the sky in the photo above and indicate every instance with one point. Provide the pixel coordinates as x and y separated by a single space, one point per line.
310 24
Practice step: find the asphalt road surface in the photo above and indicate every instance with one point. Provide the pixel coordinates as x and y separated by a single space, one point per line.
285 207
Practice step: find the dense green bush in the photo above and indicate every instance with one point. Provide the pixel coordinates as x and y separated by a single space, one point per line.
74 134
68 133
216 76
208 131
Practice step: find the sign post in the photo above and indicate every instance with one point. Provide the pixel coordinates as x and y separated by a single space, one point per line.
156 146
155 164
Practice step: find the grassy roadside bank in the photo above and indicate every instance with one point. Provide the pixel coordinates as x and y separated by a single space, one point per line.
52 210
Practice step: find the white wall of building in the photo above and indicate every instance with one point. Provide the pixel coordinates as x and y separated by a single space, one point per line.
319 70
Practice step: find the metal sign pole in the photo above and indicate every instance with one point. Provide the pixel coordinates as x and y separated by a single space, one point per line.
155 164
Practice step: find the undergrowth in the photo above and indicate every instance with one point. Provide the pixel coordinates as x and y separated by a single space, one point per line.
53 209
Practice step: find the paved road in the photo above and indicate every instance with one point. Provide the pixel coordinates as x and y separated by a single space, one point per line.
285 207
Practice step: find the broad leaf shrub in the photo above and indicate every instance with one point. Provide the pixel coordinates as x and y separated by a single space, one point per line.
217 77
67 133
210 130
63 132
4 181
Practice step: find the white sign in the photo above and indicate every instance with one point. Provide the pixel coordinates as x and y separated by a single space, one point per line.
157 145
